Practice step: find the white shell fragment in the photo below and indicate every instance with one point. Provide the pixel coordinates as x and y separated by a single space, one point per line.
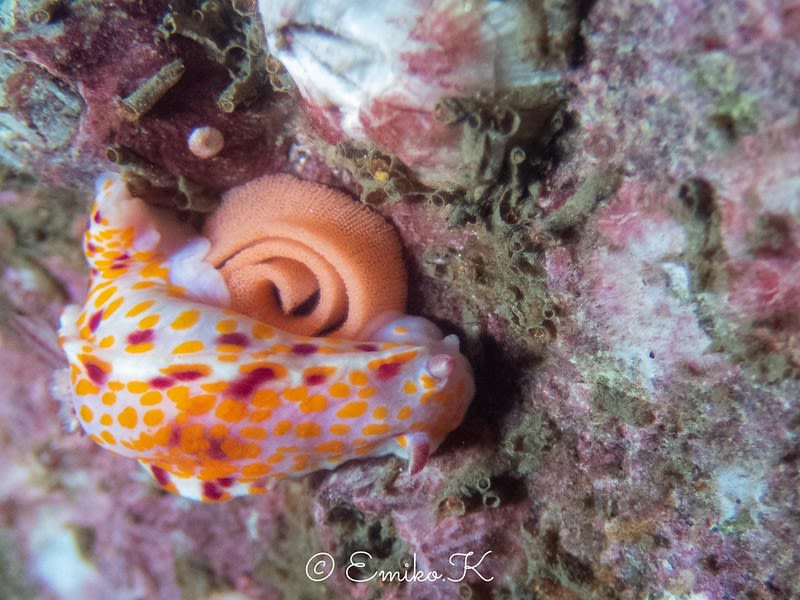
373 72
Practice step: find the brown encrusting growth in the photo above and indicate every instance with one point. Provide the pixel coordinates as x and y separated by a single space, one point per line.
306 258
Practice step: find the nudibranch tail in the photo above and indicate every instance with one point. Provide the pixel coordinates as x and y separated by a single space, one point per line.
420 450
217 404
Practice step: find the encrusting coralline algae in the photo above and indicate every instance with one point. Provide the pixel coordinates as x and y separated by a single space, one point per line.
615 247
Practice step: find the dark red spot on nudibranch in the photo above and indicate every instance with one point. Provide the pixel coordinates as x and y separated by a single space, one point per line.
95 373
304 349
97 217
388 370
162 477
366 347
225 481
160 383
215 449
315 379
117 265
91 247
233 339
211 491
245 385
174 436
186 375
94 320
140 337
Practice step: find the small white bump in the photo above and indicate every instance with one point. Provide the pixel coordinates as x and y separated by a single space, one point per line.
205 142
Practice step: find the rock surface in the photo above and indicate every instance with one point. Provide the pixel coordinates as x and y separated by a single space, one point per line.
628 296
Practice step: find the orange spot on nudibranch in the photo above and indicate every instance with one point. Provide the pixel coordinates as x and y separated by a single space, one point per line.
139 308
262 331
282 427
226 326
85 387
358 378
128 417
108 437
339 429
254 433
137 387
187 371
186 319
255 470
188 347
352 410
149 321
153 417
376 429
154 271
86 413
104 296
307 429
231 411
339 390
111 308
151 398
266 398
330 447
315 403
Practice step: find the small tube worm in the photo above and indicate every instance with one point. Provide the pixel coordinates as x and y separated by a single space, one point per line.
139 102
45 11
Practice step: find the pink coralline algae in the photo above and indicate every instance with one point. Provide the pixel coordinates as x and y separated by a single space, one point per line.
626 288
759 279
129 82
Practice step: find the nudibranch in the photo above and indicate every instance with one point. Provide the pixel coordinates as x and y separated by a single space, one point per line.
216 403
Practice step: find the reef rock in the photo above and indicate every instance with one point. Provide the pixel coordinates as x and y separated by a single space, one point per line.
626 291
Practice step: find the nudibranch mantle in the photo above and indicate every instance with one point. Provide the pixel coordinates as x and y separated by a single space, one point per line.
216 404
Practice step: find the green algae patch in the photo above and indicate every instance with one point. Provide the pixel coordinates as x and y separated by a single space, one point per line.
622 399
749 343
734 112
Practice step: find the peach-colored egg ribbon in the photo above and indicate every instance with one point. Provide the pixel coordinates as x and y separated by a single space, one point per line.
306 258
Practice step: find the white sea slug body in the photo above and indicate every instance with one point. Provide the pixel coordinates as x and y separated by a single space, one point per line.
214 403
